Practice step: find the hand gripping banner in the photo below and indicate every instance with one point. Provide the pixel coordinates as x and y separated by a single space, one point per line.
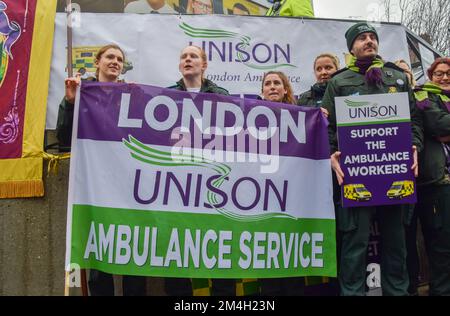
178 184
26 37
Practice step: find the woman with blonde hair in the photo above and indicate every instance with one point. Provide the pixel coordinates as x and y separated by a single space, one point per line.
325 65
109 62
407 69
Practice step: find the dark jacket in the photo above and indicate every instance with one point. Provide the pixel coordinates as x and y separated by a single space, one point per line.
207 86
436 123
65 123
346 82
314 96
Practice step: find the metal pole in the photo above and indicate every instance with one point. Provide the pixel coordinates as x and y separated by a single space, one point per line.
69 37
69 12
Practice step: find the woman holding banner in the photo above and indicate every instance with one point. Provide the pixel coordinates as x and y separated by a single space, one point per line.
325 65
109 63
276 88
192 66
433 200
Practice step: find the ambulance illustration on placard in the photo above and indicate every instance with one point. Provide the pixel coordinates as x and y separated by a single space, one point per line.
357 192
400 189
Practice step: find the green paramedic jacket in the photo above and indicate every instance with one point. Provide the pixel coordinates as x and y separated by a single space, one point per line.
314 96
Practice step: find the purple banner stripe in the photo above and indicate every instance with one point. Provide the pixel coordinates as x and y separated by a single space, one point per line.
100 108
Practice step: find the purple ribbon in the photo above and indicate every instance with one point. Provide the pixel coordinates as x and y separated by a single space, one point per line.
11 30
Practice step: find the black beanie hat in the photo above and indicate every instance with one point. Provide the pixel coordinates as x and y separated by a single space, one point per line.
355 30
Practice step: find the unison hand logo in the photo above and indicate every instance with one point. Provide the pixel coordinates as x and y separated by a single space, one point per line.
239 48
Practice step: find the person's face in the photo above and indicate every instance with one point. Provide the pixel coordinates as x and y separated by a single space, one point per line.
273 88
404 66
441 76
365 46
407 70
237 11
191 63
323 69
156 3
110 64
202 7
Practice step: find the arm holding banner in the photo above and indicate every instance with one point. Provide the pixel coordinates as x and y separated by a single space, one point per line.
329 105
65 114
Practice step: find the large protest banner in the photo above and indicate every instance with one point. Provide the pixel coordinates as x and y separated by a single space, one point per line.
26 35
239 48
171 183
374 135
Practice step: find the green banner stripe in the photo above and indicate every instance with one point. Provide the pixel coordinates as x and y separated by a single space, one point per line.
99 227
374 123
187 27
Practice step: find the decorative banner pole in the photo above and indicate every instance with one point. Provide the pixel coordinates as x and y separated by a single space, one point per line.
69 12
69 37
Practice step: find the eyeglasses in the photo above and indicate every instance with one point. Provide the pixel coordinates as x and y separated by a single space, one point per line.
440 74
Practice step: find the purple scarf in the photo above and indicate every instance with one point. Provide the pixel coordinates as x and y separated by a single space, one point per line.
373 75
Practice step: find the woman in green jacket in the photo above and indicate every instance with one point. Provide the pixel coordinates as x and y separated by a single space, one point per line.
433 205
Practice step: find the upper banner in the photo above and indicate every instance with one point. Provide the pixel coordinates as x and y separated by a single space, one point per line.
239 49
238 7
171 183
26 36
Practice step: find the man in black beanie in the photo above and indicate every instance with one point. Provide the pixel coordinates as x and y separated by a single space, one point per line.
367 73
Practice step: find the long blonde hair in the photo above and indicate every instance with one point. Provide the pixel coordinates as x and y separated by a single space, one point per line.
408 71
333 58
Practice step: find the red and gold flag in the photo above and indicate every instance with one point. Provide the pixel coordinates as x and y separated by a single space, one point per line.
26 40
